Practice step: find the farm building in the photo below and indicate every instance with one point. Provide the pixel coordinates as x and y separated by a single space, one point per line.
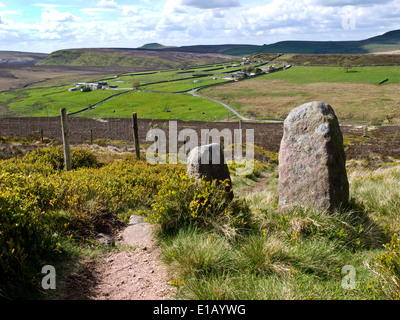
92 86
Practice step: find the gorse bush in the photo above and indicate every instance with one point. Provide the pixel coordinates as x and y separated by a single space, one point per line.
80 158
182 201
42 207
387 268
24 236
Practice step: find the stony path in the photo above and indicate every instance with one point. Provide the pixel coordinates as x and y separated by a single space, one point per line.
132 273
135 274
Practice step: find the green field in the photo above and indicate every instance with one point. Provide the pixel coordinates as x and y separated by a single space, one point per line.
355 95
146 78
47 102
151 105
184 85
372 75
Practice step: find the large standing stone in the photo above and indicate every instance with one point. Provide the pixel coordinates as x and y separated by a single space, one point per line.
208 163
312 161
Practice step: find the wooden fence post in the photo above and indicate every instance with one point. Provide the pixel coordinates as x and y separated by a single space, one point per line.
136 135
67 151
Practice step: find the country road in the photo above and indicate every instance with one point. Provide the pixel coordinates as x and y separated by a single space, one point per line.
194 94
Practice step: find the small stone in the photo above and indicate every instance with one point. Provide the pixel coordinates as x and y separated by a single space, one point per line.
208 163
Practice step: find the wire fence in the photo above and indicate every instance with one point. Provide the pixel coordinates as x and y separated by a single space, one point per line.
81 130
86 130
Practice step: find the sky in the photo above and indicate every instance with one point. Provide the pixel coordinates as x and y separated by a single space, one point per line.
50 25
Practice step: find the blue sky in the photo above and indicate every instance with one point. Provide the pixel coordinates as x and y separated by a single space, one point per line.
49 25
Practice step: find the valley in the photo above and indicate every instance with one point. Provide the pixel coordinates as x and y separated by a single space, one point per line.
206 245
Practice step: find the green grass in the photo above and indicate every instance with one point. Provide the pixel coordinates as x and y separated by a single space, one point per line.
149 105
168 75
48 101
305 75
128 79
294 256
184 85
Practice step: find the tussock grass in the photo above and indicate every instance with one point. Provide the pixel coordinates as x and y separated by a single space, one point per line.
294 255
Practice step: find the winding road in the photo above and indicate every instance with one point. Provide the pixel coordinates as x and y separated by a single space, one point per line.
195 94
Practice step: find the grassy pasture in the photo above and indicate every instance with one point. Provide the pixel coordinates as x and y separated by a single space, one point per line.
147 78
46 99
354 95
151 105
45 102
370 75
184 85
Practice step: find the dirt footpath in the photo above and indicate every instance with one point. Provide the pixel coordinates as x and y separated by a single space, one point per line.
132 273
136 274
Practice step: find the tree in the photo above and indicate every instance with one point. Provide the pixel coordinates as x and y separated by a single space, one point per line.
85 89
347 65
136 85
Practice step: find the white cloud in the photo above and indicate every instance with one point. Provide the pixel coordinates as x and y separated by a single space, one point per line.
173 6
108 4
342 3
184 22
44 5
130 10
53 15
211 4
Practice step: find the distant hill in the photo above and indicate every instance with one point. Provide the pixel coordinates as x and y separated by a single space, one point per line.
120 57
154 46
220 49
389 41
24 58
157 56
